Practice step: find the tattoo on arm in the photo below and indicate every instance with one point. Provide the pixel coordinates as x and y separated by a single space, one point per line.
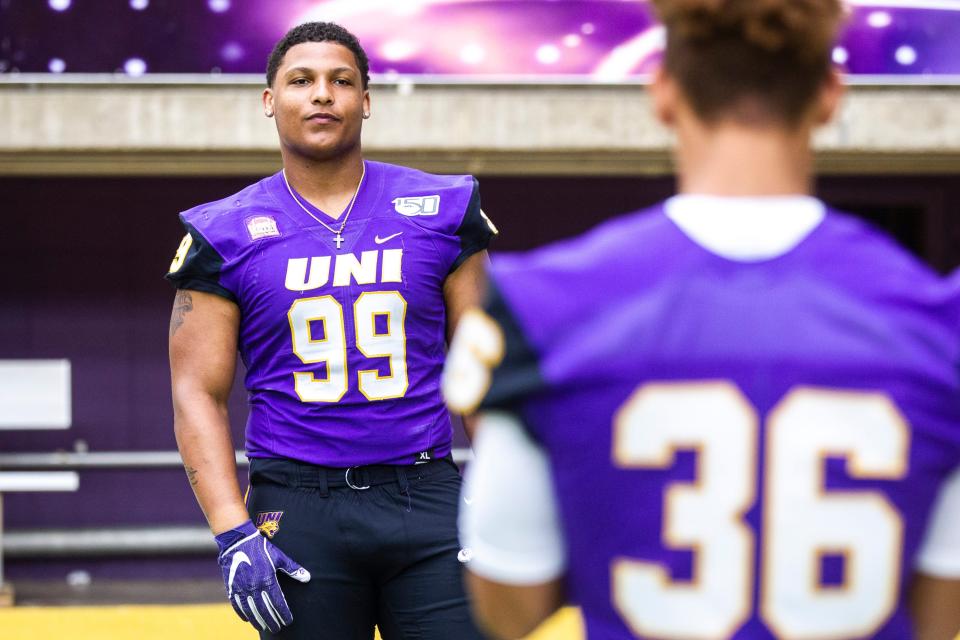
191 475
182 305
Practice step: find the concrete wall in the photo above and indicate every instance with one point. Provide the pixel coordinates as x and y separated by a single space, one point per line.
184 126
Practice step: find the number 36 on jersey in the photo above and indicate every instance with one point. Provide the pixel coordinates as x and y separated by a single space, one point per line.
802 522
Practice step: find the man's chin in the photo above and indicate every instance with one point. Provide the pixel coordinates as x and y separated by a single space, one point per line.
324 151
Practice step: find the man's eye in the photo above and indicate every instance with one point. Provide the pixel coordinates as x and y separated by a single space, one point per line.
342 81
300 81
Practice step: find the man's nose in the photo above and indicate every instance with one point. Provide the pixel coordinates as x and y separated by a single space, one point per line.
322 93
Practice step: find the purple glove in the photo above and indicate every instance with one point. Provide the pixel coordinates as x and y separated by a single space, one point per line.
250 563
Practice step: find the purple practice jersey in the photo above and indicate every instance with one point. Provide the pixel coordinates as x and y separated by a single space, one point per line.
739 449
343 346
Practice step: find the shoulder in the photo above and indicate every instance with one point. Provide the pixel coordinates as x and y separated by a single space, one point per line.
233 222
862 241
865 269
872 262
439 203
638 235
420 182
549 285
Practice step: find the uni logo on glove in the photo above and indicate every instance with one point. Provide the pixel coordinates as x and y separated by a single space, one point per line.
268 522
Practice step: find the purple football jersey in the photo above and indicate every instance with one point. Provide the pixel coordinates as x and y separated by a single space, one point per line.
738 449
343 346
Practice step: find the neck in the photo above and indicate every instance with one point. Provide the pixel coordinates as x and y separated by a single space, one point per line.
329 185
731 159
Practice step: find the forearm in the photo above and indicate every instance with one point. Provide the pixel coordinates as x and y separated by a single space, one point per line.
202 430
935 605
464 290
509 612
469 426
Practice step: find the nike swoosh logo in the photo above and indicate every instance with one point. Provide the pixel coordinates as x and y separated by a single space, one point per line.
380 240
238 558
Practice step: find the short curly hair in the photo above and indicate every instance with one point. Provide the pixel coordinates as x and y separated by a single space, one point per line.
750 58
317 32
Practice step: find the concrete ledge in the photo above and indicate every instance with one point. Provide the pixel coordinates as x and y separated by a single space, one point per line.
137 129
486 163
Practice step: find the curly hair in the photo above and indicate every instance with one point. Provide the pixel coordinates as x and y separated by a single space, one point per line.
750 59
317 32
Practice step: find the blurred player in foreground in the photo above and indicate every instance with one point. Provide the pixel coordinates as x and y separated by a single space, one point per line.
736 414
336 278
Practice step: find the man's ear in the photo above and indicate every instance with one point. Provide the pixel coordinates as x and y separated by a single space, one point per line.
831 95
268 109
663 92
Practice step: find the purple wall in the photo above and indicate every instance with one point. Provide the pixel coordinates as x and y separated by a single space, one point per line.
83 261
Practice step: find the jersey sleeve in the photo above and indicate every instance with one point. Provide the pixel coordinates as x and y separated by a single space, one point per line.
475 230
198 266
939 554
490 365
509 521
518 374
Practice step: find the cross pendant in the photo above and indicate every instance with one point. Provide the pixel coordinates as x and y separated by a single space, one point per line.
338 239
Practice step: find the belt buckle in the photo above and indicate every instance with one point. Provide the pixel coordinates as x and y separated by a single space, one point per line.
346 476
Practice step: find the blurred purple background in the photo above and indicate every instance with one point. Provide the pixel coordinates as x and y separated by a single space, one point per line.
605 40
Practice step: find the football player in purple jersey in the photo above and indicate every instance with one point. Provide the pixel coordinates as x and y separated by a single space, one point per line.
733 415
336 279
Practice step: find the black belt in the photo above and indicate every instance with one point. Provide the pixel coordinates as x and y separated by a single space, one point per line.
303 474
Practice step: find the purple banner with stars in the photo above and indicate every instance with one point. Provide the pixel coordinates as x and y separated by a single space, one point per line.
526 40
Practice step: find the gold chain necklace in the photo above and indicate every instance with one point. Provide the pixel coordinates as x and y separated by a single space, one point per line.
338 233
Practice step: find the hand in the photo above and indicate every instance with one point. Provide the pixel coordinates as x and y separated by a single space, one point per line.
250 563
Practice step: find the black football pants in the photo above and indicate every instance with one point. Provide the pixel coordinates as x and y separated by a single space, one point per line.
384 555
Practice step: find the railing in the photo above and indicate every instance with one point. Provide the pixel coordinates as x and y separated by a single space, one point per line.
154 541
76 461
64 460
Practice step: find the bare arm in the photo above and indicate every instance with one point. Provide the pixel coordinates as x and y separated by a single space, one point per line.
934 594
508 612
935 605
203 350
463 290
